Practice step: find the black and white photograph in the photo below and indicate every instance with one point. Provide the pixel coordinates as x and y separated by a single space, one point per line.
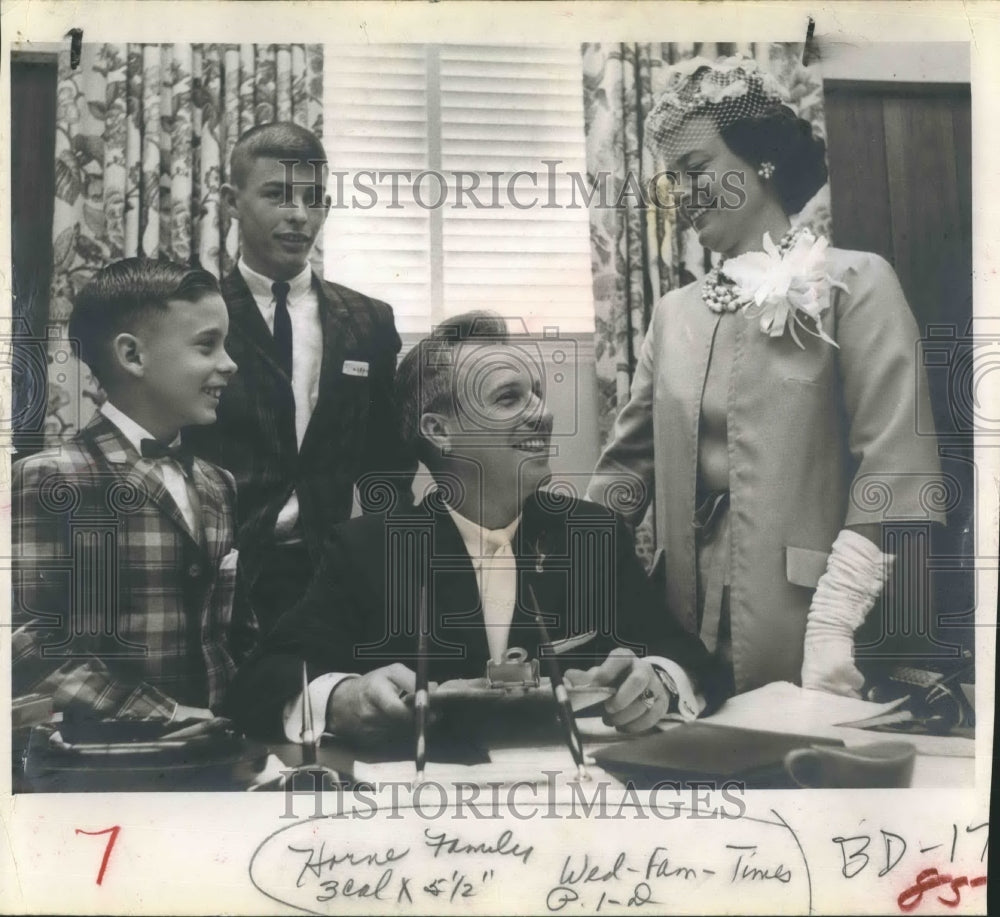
474 457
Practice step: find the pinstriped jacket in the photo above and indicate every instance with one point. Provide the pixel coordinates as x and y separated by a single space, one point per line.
353 429
118 605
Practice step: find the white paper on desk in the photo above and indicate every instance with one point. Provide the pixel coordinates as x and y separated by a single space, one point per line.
505 767
509 762
508 767
787 708
784 707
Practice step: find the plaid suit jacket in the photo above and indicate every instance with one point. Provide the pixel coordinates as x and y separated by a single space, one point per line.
118 606
353 429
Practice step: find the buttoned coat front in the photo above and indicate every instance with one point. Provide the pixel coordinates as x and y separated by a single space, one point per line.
818 437
119 606
353 430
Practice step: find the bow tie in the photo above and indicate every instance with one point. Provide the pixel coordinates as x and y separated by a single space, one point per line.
154 449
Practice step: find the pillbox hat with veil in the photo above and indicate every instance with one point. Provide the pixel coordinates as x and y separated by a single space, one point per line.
728 89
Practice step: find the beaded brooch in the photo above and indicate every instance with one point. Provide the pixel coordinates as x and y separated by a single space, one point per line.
721 295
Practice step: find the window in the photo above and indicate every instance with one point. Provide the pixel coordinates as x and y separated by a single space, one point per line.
452 178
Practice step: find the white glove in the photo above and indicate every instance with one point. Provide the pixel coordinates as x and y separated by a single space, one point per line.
855 575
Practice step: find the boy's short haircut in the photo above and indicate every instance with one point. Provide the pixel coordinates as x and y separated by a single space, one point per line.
275 140
123 292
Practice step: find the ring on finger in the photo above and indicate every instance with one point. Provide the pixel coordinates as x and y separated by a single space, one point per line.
648 697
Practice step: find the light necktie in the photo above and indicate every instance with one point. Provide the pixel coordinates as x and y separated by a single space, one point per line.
499 590
282 326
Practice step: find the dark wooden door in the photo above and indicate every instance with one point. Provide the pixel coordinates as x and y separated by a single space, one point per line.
32 140
900 158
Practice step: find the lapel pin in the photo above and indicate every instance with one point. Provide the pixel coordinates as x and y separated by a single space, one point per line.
539 558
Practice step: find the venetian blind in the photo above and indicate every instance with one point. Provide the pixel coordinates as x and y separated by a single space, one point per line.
453 181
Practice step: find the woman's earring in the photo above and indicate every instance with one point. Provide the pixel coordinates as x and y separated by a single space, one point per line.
765 170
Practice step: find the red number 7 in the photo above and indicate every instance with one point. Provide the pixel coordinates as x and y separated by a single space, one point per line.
113 831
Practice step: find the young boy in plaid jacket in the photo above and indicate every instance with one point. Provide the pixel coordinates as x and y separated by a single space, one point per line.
125 571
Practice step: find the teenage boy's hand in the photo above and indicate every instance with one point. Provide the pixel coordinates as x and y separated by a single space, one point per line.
370 709
640 700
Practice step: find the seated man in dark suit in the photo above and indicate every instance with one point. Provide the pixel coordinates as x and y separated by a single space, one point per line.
486 543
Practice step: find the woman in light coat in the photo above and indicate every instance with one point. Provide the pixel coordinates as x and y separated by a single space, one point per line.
773 413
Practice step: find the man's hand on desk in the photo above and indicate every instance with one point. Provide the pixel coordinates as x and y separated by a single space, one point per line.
370 708
641 700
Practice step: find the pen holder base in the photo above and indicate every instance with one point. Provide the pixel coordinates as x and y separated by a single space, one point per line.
516 671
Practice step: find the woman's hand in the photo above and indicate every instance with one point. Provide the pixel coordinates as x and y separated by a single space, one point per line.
846 592
826 669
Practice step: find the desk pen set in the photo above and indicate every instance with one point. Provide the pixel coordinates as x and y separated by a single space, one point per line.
515 676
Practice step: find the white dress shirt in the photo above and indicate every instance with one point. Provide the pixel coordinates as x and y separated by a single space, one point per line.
496 575
307 360
174 478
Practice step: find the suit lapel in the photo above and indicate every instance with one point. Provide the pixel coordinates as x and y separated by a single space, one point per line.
250 323
693 330
544 561
560 545
700 324
213 522
335 321
540 548
455 603
139 473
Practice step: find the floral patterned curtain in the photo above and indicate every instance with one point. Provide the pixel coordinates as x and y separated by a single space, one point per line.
143 137
639 254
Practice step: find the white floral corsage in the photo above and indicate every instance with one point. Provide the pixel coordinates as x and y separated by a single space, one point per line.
782 290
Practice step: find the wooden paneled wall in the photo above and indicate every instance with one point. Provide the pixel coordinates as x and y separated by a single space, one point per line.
900 158
32 149
33 79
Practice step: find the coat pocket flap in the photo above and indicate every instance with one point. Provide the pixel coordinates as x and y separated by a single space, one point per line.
804 567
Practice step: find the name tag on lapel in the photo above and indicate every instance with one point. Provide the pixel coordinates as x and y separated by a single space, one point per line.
355 368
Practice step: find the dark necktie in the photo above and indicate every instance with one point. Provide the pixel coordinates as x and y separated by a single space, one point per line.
154 449
282 326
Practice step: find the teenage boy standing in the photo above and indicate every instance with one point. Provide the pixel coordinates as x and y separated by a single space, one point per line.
311 411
